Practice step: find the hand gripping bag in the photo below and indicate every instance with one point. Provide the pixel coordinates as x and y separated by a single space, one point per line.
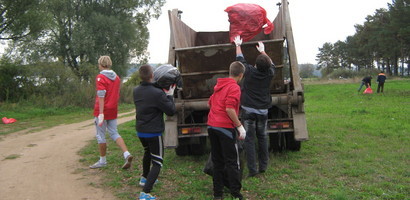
247 21
166 75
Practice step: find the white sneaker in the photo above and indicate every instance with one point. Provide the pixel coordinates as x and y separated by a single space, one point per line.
98 165
146 196
128 161
144 180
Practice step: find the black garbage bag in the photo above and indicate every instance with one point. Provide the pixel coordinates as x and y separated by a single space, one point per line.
166 75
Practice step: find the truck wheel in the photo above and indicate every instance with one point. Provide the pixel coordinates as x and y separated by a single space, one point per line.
198 149
182 150
277 142
291 143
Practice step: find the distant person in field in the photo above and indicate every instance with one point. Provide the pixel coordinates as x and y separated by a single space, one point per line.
224 129
367 81
381 78
255 102
151 102
106 110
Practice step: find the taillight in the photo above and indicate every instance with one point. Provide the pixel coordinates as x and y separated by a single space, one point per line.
191 130
278 125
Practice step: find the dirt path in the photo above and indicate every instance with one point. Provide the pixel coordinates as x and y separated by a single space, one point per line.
47 164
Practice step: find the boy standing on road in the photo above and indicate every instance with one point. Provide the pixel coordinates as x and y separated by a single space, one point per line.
223 123
255 102
106 110
151 103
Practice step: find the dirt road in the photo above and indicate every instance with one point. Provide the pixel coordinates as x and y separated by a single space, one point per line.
47 164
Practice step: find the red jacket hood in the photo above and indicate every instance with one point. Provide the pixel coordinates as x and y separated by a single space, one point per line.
227 94
222 82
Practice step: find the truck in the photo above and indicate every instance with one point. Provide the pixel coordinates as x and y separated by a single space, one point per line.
202 57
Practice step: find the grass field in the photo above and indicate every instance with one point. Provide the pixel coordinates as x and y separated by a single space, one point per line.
359 148
31 118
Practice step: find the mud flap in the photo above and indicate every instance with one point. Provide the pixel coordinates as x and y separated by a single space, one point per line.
300 128
171 133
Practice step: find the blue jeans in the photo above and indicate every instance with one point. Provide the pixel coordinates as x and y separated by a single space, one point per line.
255 126
361 85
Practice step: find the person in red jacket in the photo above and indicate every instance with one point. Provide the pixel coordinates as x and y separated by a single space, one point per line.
223 124
106 110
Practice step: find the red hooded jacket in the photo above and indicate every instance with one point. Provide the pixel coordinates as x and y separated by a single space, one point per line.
110 82
227 94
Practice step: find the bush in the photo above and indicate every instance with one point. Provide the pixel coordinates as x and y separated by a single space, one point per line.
16 83
46 84
346 73
134 80
126 94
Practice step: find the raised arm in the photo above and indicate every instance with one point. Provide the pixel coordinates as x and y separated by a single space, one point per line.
261 48
238 42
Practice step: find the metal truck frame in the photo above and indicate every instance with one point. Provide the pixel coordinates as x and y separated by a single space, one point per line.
202 57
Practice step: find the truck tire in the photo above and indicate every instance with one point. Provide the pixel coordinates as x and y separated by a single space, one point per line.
182 150
198 149
276 142
291 143
183 147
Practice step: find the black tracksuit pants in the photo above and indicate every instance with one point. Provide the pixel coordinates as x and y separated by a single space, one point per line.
225 156
153 154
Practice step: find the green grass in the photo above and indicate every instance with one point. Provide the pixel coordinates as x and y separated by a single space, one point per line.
358 149
31 118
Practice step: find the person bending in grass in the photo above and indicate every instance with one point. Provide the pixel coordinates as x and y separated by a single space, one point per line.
106 110
151 103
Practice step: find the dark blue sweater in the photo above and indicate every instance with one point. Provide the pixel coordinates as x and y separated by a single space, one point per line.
255 86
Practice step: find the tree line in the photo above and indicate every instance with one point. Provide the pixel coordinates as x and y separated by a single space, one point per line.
382 42
77 32
54 46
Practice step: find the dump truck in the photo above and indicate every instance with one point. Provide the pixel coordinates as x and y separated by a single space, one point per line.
202 57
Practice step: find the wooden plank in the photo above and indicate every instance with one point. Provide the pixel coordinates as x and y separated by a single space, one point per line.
171 53
171 132
299 124
292 49
208 72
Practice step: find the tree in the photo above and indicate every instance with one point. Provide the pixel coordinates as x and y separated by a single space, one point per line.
325 56
400 23
20 18
383 38
306 70
82 30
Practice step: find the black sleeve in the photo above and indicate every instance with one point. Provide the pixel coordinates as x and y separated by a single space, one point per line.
243 61
166 104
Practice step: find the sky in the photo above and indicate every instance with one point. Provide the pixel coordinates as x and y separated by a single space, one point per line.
314 22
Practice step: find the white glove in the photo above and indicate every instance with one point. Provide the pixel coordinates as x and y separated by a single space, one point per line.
238 40
260 47
170 91
100 119
242 132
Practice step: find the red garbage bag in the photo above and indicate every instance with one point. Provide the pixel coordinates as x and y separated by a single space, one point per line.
8 121
247 21
368 91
